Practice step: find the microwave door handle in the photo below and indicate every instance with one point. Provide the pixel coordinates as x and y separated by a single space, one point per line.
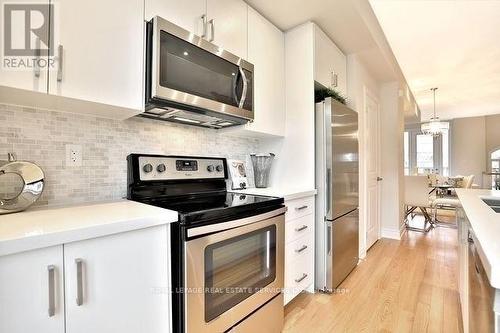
245 88
235 87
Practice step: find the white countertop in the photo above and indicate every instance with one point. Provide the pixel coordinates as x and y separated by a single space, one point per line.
42 227
287 194
485 223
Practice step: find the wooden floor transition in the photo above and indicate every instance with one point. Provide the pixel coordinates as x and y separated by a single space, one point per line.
401 286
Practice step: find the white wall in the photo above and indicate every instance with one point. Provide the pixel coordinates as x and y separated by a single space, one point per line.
359 79
468 147
294 164
391 141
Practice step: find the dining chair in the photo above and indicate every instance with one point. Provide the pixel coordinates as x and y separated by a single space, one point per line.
417 197
450 203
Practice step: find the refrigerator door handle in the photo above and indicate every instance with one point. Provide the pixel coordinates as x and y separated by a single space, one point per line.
329 193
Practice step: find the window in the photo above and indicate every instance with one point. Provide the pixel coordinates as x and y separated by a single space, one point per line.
425 154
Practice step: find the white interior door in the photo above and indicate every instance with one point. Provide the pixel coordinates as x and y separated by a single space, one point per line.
372 168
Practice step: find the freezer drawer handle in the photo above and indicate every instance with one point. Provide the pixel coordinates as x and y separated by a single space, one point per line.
304 227
301 207
304 275
301 249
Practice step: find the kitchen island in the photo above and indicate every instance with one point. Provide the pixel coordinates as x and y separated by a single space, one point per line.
479 260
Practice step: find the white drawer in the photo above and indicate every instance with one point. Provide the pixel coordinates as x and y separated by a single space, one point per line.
301 247
298 227
299 207
298 276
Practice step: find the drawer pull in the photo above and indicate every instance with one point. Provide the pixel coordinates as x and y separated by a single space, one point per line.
304 227
301 207
304 275
301 249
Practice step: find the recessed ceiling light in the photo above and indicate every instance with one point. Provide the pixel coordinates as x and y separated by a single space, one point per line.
186 53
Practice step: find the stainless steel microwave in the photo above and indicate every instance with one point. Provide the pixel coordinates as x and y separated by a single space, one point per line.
192 81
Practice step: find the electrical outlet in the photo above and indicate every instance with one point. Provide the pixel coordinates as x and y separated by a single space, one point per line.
73 155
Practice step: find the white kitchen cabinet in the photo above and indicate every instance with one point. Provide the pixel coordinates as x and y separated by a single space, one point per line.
186 14
121 285
227 25
299 247
12 73
266 51
99 51
28 282
330 64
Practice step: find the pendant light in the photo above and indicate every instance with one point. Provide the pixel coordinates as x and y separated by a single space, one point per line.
434 127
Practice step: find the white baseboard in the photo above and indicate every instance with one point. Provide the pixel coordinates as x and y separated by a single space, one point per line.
392 233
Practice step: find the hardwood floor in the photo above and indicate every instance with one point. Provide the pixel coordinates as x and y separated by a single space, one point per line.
401 286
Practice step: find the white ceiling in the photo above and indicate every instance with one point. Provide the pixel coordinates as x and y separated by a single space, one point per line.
452 45
341 21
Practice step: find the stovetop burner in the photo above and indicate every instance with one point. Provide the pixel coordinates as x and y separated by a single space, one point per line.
195 187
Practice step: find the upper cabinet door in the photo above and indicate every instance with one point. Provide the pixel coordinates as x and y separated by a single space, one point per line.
266 50
227 25
25 61
31 291
330 64
99 51
119 283
186 14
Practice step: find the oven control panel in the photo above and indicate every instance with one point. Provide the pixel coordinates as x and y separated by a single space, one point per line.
176 168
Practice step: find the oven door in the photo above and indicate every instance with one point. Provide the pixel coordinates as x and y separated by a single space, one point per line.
231 273
189 70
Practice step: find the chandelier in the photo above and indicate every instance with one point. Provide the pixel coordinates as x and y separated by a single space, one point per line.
434 127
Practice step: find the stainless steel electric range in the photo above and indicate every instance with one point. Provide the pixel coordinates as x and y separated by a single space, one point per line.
227 248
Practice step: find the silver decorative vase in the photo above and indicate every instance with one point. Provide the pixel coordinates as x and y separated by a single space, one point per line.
262 168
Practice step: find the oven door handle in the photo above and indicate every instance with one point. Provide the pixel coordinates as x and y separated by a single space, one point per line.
217 227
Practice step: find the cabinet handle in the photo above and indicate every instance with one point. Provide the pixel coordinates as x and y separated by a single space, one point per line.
301 207
37 58
304 227
79 281
60 50
212 30
304 275
334 79
52 297
204 22
329 238
301 249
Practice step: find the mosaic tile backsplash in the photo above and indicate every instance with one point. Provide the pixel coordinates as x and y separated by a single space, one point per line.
41 136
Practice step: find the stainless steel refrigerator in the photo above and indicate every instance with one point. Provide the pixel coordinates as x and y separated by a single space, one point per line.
337 211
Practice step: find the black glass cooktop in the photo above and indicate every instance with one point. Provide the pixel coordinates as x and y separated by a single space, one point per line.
207 208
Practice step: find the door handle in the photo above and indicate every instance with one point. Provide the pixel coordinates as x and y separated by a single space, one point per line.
52 297
304 275
60 63
212 30
204 23
301 249
379 179
79 281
